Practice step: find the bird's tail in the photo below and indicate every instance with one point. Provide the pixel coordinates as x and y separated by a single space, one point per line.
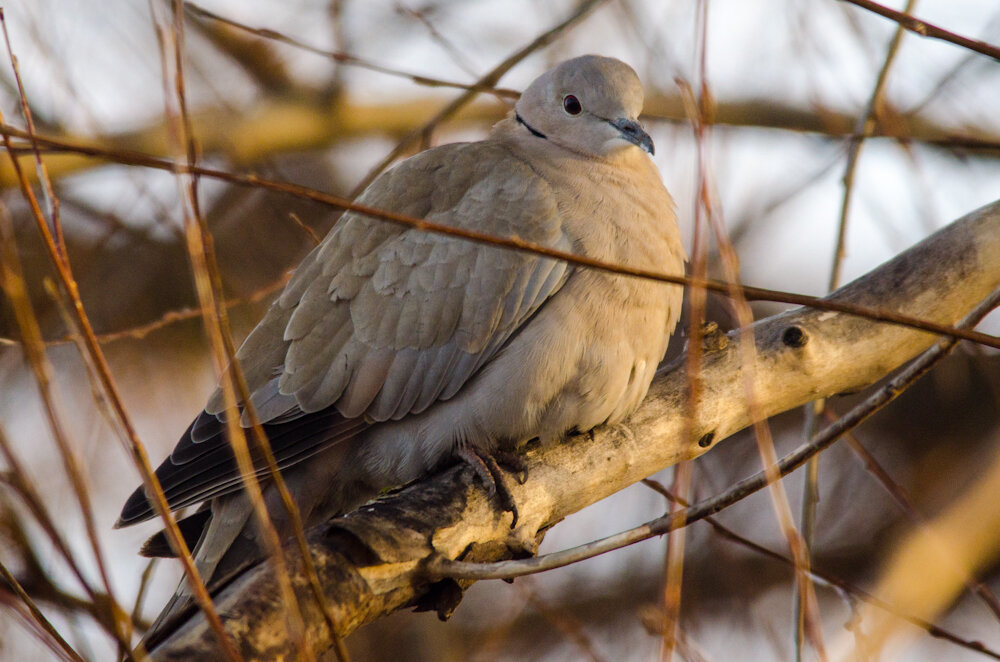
229 540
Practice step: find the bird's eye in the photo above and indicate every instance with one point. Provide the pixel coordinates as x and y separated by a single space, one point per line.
572 105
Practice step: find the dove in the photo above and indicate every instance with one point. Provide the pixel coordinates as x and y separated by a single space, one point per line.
393 352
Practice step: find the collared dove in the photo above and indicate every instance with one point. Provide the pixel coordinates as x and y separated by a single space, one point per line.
393 350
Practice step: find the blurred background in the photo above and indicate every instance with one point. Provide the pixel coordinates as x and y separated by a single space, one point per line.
337 88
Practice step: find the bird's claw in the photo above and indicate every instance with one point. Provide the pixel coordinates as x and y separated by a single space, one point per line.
486 467
513 463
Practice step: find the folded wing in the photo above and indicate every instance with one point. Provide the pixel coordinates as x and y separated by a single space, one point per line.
381 320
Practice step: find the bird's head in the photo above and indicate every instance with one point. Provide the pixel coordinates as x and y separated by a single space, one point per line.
589 104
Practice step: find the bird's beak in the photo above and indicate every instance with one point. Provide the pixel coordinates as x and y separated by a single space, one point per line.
633 132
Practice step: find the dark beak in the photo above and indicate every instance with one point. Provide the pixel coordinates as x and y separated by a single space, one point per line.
632 132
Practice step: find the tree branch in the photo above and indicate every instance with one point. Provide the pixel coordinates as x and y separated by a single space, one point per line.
375 560
925 29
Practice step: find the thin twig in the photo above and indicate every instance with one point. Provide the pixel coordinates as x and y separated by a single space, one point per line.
56 642
567 625
19 613
34 574
762 432
168 318
341 57
456 55
235 390
140 594
925 29
17 478
315 238
50 197
807 524
676 540
865 128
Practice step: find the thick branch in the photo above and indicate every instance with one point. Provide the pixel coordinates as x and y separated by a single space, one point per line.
373 561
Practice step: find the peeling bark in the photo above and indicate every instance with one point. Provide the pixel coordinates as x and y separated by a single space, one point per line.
373 561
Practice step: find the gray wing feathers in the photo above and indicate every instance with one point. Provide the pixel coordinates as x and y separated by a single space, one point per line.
259 355
383 320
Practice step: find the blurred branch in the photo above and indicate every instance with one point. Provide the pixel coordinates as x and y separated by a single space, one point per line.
389 554
256 58
270 128
55 641
865 128
37 581
932 565
281 125
905 504
818 574
768 114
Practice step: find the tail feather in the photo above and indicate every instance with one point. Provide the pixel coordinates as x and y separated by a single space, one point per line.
229 522
191 527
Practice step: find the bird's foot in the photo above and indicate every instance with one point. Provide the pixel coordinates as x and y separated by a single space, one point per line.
513 463
487 468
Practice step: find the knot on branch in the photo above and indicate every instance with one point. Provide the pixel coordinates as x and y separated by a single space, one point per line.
793 336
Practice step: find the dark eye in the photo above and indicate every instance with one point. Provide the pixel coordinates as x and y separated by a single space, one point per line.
572 105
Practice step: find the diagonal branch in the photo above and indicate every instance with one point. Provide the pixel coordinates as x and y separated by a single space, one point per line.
378 559
925 29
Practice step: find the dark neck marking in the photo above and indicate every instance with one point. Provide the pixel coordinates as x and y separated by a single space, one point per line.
534 132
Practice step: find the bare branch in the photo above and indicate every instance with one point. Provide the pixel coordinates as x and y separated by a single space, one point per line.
925 29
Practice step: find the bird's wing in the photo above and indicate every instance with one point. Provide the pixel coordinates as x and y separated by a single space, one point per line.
380 320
